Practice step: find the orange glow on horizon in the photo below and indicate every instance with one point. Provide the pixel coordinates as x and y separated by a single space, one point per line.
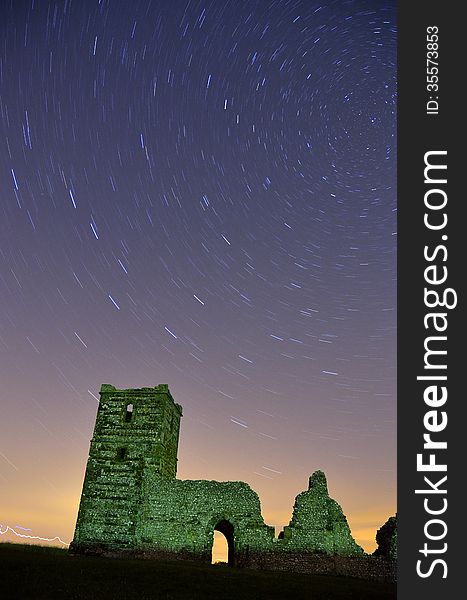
47 525
220 548
49 506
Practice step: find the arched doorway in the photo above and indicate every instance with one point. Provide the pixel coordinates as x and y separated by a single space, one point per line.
227 529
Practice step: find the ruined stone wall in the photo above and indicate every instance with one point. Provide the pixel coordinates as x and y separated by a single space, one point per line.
386 538
318 522
363 566
132 501
180 516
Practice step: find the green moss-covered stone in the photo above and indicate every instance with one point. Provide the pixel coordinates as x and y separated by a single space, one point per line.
318 523
132 500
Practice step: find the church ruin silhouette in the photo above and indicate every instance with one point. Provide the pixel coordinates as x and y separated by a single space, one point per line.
133 503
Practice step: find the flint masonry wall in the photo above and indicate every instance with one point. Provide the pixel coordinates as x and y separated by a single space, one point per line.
136 432
181 516
132 501
386 538
363 566
318 522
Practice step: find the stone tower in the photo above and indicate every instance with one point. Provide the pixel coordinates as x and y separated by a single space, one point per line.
136 431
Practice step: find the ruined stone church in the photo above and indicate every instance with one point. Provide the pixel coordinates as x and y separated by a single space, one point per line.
132 501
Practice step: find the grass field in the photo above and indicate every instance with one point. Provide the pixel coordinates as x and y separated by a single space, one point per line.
44 573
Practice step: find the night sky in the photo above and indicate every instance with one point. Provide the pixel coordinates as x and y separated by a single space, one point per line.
200 194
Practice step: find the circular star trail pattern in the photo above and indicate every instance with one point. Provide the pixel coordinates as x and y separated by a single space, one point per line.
201 194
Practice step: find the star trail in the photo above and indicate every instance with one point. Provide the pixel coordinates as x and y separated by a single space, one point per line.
201 194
